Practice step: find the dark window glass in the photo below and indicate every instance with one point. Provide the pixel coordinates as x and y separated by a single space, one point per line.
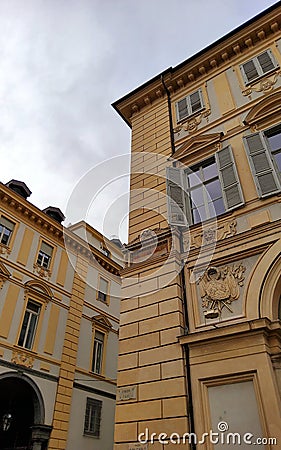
205 191
92 417
6 229
29 324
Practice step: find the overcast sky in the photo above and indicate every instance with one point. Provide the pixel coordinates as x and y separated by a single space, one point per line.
62 64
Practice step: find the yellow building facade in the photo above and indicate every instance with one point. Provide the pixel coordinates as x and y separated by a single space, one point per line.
200 345
59 320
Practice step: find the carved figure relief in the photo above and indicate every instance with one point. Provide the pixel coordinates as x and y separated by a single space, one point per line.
22 359
265 85
219 287
41 271
209 235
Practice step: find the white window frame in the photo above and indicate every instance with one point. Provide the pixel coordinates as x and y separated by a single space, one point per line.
179 210
44 257
103 296
189 109
258 67
31 326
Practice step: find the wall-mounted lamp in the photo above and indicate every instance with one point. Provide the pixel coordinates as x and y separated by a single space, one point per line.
6 421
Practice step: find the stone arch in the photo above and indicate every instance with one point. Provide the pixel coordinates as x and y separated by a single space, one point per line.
261 297
38 401
270 294
38 287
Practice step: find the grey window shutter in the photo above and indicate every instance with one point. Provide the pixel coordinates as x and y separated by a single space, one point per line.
266 62
249 71
182 109
261 164
230 184
176 197
195 102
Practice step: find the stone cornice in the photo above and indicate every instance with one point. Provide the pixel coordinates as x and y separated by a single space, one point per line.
208 61
52 229
223 330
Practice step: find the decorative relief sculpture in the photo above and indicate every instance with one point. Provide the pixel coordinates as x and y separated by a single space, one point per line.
193 123
22 359
265 85
210 235
41 271
219 287
4 250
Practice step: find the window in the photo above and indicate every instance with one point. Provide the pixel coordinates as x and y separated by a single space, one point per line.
29 324
258 66
104 250
273 137
189 105
103 290
92 417
6 230
264 154
203 191
45 255
98 352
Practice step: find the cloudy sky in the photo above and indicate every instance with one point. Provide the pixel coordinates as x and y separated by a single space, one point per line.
62 64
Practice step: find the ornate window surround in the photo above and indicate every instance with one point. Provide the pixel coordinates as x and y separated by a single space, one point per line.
103 325
40 293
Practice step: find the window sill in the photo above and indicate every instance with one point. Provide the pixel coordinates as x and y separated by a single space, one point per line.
102 301
100 376
42 271
90 435
192 116
264 76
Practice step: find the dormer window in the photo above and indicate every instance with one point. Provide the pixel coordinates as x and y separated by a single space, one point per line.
104 250
258 66
189 105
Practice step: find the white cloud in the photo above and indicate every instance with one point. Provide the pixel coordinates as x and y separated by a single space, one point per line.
63 62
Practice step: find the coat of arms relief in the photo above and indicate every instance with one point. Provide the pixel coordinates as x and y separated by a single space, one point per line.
219 287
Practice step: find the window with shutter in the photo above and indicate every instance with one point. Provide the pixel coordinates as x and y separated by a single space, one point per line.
212 188
231 189
264 154
189 105
258 66
176 197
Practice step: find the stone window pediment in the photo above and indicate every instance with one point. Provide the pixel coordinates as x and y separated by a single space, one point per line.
196 144
263 113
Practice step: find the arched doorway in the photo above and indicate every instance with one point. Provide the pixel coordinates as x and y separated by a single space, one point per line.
21 411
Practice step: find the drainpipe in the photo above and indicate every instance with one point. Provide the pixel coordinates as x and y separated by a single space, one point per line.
170 114
185 310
